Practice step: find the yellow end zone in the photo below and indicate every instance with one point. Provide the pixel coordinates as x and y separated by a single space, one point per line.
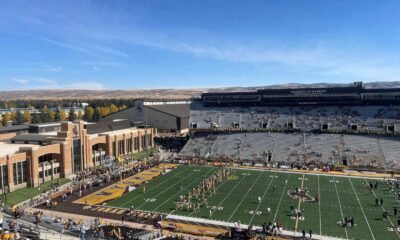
194 229
117 189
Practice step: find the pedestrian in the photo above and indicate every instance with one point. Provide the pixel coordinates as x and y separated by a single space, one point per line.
376 201
381 202
83 232
304 233
310 232
101 234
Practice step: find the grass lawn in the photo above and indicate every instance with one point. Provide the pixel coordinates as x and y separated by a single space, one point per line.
236 199
23 194
143 154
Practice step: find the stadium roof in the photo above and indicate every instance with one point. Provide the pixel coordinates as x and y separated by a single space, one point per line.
30 137
177 110
14 128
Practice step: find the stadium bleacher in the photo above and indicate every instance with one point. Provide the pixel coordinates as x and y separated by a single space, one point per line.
368 119
297 149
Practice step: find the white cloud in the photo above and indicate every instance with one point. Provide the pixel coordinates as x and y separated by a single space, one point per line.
88 30
21 81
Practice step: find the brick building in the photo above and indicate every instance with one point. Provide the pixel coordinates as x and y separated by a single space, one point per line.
31 159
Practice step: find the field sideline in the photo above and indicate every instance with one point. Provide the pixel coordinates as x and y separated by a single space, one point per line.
236 199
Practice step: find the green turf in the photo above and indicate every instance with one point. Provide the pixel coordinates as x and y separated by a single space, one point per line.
26 193
237 200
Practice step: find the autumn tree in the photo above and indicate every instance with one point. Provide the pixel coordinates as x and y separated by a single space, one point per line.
27 116
52 115
104 111
89 112
113 108
80 115
13 116
63 115
6 118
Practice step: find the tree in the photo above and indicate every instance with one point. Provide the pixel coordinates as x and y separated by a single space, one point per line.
13 116
57 116
80 115
71 115
52 115
35 118
104 111
27 116
19 117
44 115
113 108
89 112
96 114
6 118
63 115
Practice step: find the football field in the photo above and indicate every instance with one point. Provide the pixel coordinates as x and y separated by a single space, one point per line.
237 199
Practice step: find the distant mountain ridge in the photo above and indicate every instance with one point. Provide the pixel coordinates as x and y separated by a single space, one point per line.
164 93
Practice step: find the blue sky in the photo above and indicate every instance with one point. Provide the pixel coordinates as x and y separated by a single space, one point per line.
177 44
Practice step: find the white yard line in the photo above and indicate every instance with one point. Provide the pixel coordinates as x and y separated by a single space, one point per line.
244 197
319 208
259 204
299 205
173 185
178 192
283 192
340 205
391 223
220 185
153 188
359 203
223 200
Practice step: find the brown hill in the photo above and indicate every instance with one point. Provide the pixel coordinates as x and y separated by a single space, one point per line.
160 93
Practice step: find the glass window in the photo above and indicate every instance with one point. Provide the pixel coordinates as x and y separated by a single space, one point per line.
77 155
24 172
136 143
4 177
15 173
19 172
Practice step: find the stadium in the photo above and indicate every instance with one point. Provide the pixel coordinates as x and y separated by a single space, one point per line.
274 171
189 120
